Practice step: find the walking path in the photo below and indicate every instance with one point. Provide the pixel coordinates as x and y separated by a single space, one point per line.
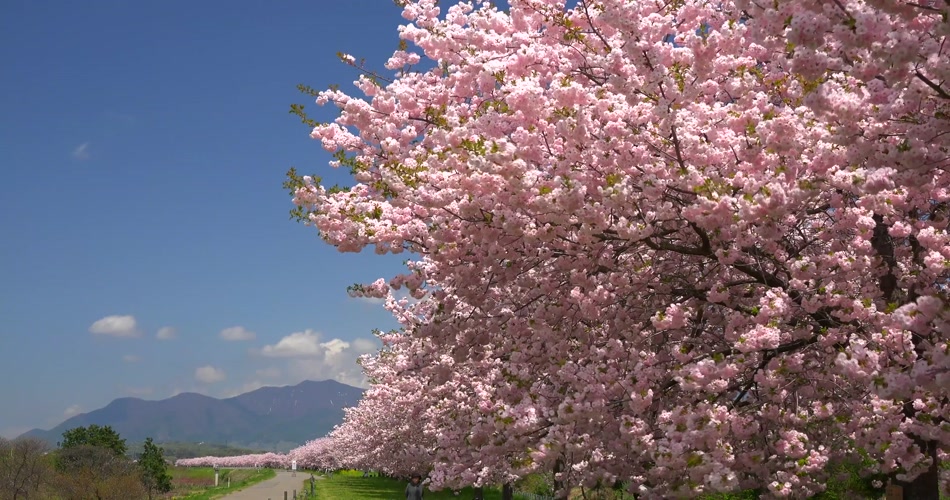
274 488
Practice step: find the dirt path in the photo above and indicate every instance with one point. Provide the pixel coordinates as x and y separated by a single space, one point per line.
273 489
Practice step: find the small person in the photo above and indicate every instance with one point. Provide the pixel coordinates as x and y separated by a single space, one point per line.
414 488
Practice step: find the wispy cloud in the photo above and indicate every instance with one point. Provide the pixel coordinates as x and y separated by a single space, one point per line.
268 372
139 391
237 333
253 385
131 358
81 152
13 432
166 333
402 293
72 411
115 326
209 375
376 301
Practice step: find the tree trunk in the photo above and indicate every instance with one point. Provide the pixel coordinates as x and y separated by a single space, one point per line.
479 493
507 492
927 485
561 490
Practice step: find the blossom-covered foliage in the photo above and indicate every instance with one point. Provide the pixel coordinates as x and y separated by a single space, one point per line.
384 431
316 454
691 245
267 460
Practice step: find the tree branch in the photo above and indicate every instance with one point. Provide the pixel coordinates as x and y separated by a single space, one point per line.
937 88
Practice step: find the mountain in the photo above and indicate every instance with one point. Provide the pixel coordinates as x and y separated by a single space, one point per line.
269 418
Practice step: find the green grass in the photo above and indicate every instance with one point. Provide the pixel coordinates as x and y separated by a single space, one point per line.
197 483
351 485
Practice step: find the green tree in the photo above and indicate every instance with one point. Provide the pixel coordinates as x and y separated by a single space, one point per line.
94 435
155 476
92 464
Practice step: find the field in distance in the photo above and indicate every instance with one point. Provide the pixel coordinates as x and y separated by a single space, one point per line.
197 483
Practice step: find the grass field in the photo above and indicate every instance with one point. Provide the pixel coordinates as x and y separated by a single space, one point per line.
351 485
197 483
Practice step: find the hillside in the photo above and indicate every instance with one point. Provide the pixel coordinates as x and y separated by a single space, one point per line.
269 418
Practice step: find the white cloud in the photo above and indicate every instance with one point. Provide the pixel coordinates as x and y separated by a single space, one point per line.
237 333
313 359
300 344
342 369
209 375
81 152
131 358
72 411
365 346
166 333
115 326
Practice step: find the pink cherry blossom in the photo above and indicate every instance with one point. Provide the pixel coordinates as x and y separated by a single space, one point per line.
693 246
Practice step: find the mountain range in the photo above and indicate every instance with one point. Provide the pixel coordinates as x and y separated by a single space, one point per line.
269 418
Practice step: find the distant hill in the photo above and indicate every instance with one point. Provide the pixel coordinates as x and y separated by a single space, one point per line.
269 418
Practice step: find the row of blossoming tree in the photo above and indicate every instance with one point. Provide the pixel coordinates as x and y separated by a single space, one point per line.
686 245
314 455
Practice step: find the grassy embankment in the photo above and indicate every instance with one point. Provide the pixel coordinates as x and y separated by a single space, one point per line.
351 485
197 483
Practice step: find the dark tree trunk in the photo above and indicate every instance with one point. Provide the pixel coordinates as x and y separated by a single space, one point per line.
479 493
507 492
927 485
561 491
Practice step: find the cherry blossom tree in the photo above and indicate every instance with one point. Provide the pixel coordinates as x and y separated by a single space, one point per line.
315 454
385 431
693 246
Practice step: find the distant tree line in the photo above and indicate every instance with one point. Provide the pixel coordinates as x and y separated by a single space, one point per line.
89 463
176 450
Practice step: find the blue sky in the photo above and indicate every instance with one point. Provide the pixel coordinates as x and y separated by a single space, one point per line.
142 147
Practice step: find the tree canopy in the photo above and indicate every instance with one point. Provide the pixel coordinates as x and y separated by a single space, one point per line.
692 246
94 435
